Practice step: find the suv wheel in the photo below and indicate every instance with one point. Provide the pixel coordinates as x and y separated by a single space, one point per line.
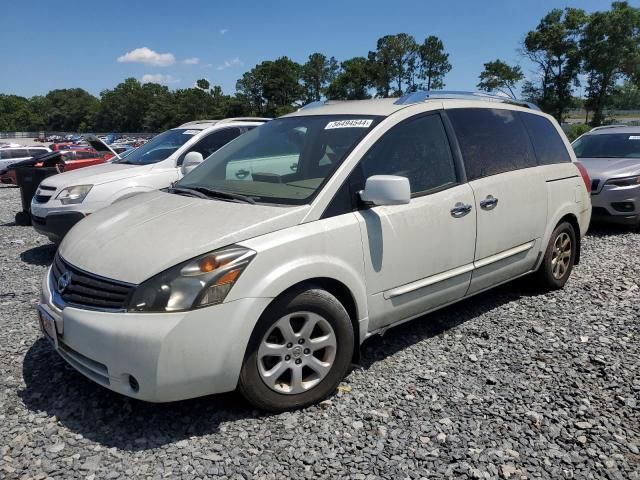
559 257
299 351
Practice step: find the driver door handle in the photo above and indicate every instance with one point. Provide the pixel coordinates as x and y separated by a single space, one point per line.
242 173
489 203
460 210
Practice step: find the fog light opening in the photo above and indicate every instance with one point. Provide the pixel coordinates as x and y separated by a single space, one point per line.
133 383
623 206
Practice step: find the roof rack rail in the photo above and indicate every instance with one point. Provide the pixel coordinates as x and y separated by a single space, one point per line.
197 122
604 127
424 95
319 103
244 119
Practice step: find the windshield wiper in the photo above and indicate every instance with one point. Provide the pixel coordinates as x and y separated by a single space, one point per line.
206 192
187 191
222 194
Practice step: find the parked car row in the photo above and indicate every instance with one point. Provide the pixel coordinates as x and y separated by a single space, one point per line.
265 266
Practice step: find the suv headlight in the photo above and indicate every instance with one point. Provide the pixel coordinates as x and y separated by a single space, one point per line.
200 282
74 194
625 182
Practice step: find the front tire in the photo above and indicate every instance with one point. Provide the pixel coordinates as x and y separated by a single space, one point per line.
559 257
299 352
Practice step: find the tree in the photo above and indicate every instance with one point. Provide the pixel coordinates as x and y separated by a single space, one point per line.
352 82
317 73
434 62
271 87
67 109
203 84
393 64
611 39
626 96
554 48
122 109
500 76
15 113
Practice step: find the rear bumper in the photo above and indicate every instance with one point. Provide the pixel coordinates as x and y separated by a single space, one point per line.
56 225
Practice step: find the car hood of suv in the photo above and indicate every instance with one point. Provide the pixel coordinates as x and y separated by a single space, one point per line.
138 237
606 168
96 175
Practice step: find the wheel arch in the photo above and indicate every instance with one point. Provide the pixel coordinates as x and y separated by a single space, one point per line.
573 221
344 295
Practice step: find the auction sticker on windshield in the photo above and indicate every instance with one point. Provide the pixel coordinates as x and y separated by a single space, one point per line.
190 132
634 137
353 123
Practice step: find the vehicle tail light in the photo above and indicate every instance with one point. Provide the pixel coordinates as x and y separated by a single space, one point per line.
585 176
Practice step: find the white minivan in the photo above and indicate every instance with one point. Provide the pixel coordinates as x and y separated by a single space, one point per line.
63 200
388 209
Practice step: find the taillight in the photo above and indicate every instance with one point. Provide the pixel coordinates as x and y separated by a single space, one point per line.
585 176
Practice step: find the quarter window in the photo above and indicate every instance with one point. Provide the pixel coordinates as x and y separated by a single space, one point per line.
492 141
417 149
547 143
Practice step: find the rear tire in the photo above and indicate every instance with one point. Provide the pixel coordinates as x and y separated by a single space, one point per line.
559 257
299 351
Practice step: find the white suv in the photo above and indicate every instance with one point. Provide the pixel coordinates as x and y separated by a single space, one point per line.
63 200
389 209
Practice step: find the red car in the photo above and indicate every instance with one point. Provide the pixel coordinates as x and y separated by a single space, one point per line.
71 160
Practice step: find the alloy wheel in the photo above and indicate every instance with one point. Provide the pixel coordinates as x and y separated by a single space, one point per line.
297 352
561 255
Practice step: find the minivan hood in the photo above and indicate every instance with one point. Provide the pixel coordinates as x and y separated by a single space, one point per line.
606 168
96 175
138 237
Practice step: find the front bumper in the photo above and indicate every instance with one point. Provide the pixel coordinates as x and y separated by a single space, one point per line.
56 225
617 204
171 356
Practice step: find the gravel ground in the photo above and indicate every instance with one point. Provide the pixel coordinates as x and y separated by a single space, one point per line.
514 383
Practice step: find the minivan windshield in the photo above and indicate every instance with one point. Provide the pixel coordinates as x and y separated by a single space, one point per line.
159 147
284 161
608 145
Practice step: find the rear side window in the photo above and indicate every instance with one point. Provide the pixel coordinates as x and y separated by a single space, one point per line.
36 151
492 141
547 143
21 153
417 149
215 141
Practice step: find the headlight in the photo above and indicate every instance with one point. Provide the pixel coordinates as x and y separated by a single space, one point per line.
196 283
75 194
624 182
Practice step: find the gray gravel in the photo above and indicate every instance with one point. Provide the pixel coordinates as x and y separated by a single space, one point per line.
511 384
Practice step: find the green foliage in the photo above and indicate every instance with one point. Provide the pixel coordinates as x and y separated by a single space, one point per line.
626 96
352 82
500 76
394 64
576 129
554 48
434 63
271 85
317 74
610 46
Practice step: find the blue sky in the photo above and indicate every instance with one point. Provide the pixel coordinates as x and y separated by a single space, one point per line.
78 44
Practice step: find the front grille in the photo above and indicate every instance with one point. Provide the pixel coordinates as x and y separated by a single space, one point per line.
41 195
87 290
594 185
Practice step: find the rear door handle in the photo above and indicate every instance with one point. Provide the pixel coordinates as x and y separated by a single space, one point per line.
460 210
489 203
242 173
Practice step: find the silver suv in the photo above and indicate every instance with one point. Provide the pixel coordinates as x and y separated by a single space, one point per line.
611 155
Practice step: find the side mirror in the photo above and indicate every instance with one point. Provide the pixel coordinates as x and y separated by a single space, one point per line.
386 190
191 161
